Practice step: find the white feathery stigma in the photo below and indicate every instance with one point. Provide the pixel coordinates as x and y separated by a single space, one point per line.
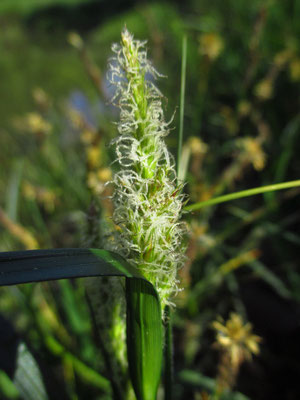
147 200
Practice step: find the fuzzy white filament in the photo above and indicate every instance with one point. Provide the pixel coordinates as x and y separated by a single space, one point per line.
147 200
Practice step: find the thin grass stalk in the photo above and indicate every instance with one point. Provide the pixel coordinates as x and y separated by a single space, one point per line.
117 395
181 113
241 194
169 366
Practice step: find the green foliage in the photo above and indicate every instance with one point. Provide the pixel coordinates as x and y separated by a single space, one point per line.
144 323
144 338
43 265
27 6
7 387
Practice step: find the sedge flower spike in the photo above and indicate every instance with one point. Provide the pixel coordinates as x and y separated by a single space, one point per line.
147 199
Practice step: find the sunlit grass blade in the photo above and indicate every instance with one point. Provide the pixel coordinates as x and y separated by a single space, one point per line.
13 188
27 377
181 113
243 193
7 388
144 338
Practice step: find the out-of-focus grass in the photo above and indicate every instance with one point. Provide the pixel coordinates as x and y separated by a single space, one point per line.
27 6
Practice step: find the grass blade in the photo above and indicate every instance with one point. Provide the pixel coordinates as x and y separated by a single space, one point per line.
90 376
144 322
12 195
243 193
181 114
144 338
27 377
44 265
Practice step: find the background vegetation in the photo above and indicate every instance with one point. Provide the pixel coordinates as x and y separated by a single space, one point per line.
241 131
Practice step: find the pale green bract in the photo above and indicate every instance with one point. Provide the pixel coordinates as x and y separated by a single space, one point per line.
147 199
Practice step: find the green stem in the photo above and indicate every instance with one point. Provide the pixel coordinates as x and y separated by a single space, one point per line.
182 94
243 193
168 355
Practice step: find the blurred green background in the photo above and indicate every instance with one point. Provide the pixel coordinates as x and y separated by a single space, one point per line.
241 130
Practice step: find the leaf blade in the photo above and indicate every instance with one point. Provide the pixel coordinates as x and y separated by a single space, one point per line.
144 338
144 323
41 265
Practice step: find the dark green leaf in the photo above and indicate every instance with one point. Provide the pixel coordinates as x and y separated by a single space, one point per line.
144 324
43 265
144 338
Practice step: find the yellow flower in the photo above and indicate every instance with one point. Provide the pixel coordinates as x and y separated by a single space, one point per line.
36 124
264 89
244 108
75 40
76 118
93 156
197 146
295 69
283 57
254 152
229 118
43 196
41 98
92 181
87 136
104 174
211 45
236 339
96 179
